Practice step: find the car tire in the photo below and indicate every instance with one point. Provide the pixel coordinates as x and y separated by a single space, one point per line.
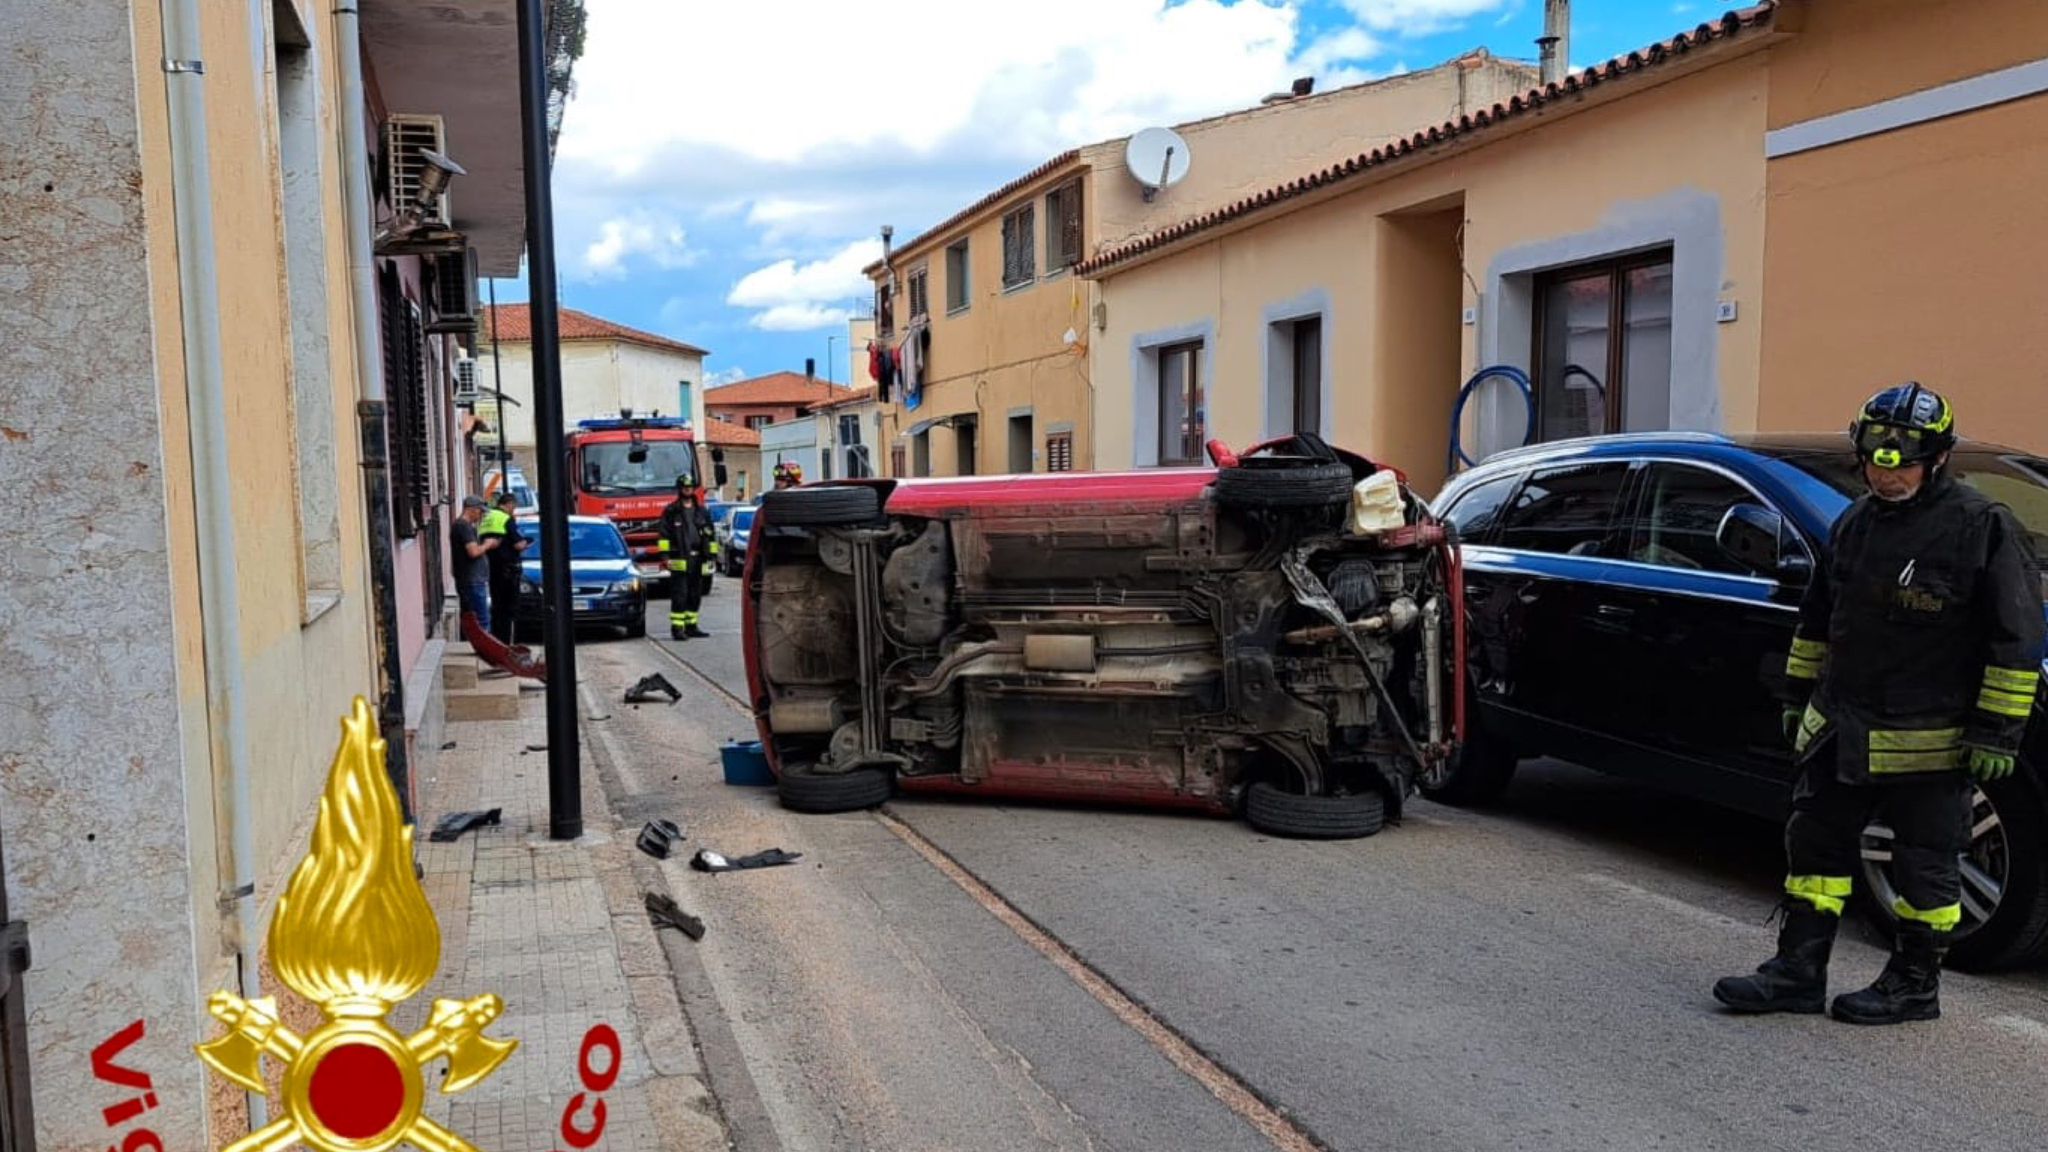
1300 817
805 789
1481 769
821 507
1283 482
2016 933
637 628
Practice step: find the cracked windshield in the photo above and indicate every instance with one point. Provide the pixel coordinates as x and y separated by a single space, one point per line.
1087 576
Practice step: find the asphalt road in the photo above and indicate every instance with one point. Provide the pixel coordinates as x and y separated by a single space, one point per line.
1530 977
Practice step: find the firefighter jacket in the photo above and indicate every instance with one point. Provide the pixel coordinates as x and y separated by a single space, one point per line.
1920 636
686 535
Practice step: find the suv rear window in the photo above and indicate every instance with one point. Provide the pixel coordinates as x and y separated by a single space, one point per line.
1476 512
1568 510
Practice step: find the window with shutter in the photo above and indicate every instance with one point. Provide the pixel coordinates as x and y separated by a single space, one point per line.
1063 226
920 297
1059 452
1020 258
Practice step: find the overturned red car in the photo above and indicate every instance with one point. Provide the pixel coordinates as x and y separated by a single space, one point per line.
1279 636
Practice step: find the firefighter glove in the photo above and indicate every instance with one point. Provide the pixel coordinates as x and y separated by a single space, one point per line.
1990 764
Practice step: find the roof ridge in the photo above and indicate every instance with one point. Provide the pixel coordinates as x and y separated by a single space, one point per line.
1729 25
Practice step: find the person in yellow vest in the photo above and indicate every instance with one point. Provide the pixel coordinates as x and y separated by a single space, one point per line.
504 560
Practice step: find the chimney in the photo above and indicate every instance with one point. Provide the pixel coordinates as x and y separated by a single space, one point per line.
1304 85
888 234
1555 44
810 367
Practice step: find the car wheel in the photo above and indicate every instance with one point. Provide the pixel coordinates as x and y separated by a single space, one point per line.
821 507
2004 873
1300 817
805 789
1479 771
638 627
1283 482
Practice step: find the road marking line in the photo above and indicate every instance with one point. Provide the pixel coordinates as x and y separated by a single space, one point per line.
1221 1082
2025 1026
1668 903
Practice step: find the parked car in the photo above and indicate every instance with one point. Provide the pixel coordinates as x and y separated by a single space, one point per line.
604 586
1632 603
738 530
1201 638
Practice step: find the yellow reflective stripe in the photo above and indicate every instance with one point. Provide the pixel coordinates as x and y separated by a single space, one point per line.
2005 703
1914 739
2012 680
1825 893
1809 649
1942 919
1895 763
1800 668
679 565
664 543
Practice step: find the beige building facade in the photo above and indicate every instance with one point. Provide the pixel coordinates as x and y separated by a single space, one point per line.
229 440
1639 241
1003 328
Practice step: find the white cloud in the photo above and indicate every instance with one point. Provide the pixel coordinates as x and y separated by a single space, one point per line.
1422 17
800 318
788 296
661 241
724 376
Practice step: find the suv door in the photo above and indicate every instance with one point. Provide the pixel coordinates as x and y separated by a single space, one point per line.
1706 642
1537 668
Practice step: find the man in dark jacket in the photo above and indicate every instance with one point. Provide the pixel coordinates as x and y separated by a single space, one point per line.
687 539
505 560
1912 671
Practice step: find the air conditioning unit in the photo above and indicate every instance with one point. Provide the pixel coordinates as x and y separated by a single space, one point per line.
405 137
454 293
465 380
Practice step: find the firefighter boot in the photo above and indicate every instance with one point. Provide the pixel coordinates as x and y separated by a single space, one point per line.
1908 989
691 630
1796 979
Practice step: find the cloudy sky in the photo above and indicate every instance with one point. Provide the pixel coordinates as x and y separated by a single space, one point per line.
724 168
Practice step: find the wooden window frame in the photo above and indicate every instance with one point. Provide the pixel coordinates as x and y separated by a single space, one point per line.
1064 225
1059 452
1020 247
1614 396
919 291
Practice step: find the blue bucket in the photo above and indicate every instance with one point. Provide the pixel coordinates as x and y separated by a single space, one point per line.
745 764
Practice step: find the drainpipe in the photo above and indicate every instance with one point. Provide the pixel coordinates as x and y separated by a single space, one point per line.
372 427
213 493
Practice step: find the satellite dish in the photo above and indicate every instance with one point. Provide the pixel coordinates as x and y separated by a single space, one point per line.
1158 158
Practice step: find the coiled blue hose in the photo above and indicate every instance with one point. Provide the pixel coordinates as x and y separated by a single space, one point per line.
1509 372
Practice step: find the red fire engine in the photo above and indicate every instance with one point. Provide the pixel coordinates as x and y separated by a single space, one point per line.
625 468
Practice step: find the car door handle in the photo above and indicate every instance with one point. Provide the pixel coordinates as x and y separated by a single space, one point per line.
1613 612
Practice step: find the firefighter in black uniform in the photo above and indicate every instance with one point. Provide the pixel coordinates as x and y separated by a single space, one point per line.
687 539
1915 662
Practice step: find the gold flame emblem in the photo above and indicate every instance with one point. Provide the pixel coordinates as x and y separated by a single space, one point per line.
354 934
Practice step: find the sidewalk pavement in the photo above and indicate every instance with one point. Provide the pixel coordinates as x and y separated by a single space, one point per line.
560 931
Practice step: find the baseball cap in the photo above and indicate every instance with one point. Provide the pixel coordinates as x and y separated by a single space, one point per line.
475 502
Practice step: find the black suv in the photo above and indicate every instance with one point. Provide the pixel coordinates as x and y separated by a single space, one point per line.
1631 601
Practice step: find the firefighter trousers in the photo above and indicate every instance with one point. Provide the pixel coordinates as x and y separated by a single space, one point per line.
1929 821
685 592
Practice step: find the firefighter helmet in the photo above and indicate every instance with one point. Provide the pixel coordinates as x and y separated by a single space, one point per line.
1907 424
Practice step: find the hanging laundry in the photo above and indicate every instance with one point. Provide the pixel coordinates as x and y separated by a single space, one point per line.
917 345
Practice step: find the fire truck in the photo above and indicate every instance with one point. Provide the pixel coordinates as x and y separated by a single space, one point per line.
625 469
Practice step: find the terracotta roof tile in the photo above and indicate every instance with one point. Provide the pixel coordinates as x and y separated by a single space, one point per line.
515 323
774 388
727 435
1728 26
1003 193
